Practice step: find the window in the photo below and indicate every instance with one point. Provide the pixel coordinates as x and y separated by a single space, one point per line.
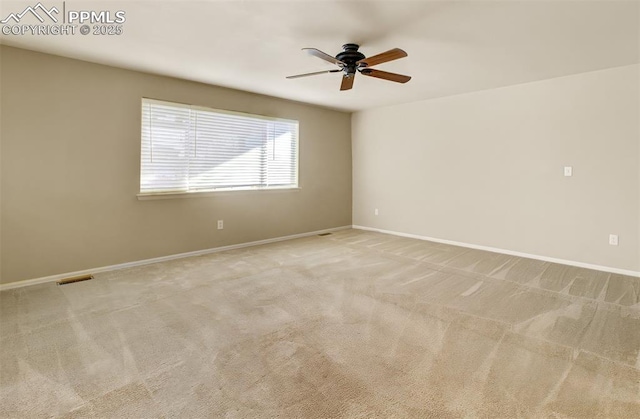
193 149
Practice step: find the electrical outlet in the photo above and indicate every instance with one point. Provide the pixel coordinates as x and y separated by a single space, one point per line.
568 171
613 239
220 224
375 211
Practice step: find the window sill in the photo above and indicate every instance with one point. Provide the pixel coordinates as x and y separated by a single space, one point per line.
205 194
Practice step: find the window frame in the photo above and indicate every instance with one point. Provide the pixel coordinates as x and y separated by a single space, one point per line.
222 190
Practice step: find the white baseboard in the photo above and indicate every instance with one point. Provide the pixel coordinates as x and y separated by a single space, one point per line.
504 251
27 282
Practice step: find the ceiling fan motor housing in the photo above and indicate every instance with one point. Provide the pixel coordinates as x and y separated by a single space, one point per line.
350 56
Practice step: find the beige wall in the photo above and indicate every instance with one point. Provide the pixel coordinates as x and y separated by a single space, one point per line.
486 168
70 134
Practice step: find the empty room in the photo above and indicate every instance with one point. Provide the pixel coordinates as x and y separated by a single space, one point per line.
319 209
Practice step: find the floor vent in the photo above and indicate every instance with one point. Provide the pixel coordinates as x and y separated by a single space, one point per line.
324 234
73 279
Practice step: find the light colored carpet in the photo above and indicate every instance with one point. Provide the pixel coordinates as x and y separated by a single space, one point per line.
354 324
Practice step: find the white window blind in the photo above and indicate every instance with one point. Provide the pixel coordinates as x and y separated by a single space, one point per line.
191 149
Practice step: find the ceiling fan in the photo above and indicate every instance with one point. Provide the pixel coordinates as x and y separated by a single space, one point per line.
351 60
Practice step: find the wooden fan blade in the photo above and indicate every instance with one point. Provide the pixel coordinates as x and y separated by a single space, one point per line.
398 78
324 56
313 74
347 82
392 54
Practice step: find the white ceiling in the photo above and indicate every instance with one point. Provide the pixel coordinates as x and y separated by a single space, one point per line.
453 47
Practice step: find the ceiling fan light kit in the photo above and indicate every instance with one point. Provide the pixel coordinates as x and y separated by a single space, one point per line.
351 61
